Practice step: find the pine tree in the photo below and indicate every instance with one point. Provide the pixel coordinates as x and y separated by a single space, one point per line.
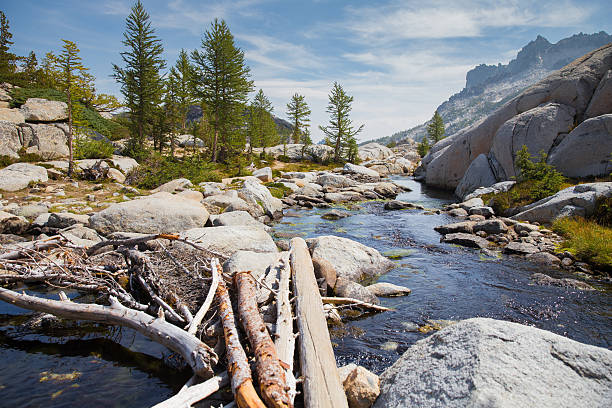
182 75
8 60
140 79
49 73
29 69
298 113
435 129
423 147
262 130
340 133
223 83
73 77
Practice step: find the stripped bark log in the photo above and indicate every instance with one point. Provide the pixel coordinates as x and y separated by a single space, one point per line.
285 338
197 319
354 302
270 373
130 242
237 363
195 393
198 355
24 248
322 386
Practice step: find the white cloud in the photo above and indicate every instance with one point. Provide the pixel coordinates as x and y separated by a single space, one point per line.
278 54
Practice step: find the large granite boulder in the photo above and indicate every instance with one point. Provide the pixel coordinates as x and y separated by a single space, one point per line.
43 110
157 213
174 185
48 141
352 260
229 239
601 103
9 140
125 164
256 262
256 194
361 170
297 151
235 218
11 115
335 180
264 174
374 151
491 363
585 152
479 174
17 176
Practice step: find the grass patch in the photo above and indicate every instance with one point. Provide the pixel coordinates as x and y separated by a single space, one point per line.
303 166
86 148
278 190
587 241
159 170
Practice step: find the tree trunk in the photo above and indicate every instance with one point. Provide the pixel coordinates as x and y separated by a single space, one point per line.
214 147
70 156
271 375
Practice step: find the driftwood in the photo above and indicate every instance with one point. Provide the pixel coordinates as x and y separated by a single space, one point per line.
238 364
285 338
322 386
130 242
354 302
195 393
198 355
40 245
269 371
197 319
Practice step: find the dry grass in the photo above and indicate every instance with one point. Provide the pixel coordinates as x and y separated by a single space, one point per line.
587 240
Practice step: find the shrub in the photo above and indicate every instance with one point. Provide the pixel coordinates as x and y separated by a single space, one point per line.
587 240
543 178
157 170
87 148
603 211
283 158
278 190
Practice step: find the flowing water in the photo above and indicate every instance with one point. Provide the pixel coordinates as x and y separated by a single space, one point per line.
120 367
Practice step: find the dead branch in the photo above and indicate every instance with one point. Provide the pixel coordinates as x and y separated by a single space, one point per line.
285 338
269 371
354 302
198 355
24 248
197 319
194 393
129 242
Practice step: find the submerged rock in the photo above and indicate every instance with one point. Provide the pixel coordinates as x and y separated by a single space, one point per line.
386 289
541 279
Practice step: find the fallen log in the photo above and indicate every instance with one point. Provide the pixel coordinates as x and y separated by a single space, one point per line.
237 362
129 242
322 386
270 373
195 393
285 338
24 248
354 302
198 355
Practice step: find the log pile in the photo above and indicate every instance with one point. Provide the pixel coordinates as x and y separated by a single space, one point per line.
175 292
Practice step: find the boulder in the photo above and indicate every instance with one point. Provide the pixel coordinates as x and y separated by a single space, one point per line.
483 362
307 176
211 188
351 289
478 174
601 103
343 197
544 258
360 385
466 227
361 170
335 215
401 205
374 151
157 213
324 269
473 202
12 224
352 260
297 151
257 195
48 141
66 219
485 211
256 262
463 239
42 110
189 141
229 239
545 280
115 175
264 174
174 186
576 200
585 151
235 218
9 140
386 289
30 210
17 176
457 212
125 164
491 227
335 180
520 248
11 115
191 195
496 188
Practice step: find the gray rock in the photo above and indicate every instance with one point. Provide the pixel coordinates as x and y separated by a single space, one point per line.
468 240
520 227
343 197
125 164
544 258
115 175
352 260
12 224
473 202
335 180
227 240
585 152
545 280
374 151
490 363
361 170
478 174
496 188
256 262
457 212
335 215
361 386
235 218
48 141
264 174
491 227
84 233
386 289
257 195
351 289
30 210
174 186
465 227
325 270
401 205
9 140
66 219
17 176
11 115
191 195
160 212
601 103
42 110
486 212
297 151
520 248
210 188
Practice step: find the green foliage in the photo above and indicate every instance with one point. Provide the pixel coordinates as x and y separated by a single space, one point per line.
8 60
86 148
587 240
435 128
423 147
157 170
299 115
261 129
603 211
278 190
544 180
21 95
283 158
340 133
391 144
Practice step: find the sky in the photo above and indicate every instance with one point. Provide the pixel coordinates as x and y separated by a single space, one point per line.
398 59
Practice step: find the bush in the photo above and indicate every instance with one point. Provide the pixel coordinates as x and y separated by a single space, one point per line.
86 148
278 190
21 95
543 178
587 241
603 211
283 158
157 170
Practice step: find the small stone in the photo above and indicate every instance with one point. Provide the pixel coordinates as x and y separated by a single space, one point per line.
335 215
520 248
458 212
567 261
361 386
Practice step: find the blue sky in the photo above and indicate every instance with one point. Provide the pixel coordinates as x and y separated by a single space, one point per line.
399 59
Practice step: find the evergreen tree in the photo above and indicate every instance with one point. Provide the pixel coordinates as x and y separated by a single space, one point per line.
73 76
140 78
298 113
182 75
29 69
49 73
305 140
340 133
223 83
435 128
423 147
8 60
262 130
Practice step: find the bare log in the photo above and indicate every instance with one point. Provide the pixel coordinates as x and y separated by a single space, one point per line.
285 338
24 248
238 365
195 393
354 302
271 375
197 319
198 355
322 386
130 242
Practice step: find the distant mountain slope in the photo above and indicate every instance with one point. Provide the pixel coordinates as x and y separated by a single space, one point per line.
490 86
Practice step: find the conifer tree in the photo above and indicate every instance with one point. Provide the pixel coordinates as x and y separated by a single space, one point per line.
29 69
8 60
49 74
73 79
140 78
298 113
340 133
424 146
262 130
223 84
182 75
435 129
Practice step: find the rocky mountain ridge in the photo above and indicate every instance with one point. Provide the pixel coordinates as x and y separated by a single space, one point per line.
488 87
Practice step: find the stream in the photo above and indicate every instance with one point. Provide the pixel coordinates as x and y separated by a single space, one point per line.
118 367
